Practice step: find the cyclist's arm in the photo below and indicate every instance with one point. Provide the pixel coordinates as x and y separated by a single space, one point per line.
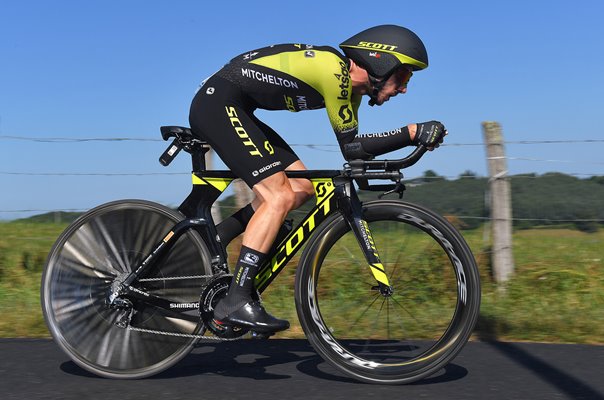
342 109
365 145
375 144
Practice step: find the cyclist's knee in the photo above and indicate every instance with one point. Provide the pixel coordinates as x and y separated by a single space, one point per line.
284 199
306 187
276 192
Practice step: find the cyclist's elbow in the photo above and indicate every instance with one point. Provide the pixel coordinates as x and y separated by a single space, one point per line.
355 151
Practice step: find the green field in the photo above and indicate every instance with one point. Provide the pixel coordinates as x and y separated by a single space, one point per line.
556 295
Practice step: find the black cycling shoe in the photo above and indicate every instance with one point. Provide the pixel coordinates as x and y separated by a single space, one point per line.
252 315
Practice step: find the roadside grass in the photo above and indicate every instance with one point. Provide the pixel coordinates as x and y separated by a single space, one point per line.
23 250
555 295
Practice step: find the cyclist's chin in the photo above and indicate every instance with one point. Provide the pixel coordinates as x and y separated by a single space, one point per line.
382 99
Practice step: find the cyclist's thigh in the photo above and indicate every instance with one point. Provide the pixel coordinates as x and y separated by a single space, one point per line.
289 157
278 144
221 118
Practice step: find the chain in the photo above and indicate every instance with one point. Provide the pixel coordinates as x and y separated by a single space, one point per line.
177 334
187 335
175 278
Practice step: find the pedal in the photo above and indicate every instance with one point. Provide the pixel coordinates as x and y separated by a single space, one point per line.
261 335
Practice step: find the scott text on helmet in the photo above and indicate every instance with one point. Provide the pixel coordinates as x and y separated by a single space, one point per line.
378 46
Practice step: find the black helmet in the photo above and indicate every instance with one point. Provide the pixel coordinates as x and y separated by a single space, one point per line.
382 49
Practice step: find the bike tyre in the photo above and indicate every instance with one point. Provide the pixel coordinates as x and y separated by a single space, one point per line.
319 301
102 244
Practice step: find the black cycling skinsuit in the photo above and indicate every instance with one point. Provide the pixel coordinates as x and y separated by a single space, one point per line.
292 77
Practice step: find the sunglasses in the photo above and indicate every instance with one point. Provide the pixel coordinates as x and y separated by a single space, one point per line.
405 74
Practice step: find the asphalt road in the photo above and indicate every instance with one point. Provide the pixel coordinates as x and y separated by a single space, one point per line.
290 369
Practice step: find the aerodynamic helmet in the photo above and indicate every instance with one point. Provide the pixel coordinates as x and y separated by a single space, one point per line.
382 49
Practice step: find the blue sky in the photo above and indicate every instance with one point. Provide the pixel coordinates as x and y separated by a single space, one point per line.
107 69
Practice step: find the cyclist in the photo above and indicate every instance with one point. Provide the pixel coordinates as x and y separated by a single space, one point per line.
377 62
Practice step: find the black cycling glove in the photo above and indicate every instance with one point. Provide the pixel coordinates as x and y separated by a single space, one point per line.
430 134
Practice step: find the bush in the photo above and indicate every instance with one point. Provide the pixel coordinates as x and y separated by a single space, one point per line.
33 263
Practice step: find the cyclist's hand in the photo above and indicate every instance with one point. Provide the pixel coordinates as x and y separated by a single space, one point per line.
430 134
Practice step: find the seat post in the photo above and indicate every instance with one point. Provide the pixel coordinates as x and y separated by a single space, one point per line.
198 158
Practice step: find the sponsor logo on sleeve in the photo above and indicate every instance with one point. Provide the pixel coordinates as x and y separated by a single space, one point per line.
345 113
344 78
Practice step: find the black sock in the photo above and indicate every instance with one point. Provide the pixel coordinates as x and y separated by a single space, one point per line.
234 225
242 285
247 267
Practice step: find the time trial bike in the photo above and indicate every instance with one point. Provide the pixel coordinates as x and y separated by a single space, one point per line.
386 291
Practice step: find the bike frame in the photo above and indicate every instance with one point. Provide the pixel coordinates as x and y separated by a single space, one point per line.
106 308
334 193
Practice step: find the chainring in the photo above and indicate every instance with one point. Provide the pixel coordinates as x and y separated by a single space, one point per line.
214 291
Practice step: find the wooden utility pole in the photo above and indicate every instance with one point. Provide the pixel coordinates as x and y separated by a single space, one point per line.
501 203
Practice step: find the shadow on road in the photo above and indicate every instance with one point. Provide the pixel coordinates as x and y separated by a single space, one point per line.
257 359
487 329
566 383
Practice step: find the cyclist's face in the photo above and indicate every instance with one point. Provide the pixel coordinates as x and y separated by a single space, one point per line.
397 83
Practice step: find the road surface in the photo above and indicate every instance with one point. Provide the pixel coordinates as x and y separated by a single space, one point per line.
290 369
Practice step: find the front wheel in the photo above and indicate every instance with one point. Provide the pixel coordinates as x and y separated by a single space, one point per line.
101 248
389 338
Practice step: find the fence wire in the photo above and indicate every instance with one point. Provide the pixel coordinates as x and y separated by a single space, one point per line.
314 146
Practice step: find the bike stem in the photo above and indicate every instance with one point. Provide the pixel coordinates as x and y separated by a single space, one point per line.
352 210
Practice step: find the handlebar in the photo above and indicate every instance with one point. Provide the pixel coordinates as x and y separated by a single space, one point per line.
388 170
389 165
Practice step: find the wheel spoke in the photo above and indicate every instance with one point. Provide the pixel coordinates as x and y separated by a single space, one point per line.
377 296
388 319
404 309
81 261
396 264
